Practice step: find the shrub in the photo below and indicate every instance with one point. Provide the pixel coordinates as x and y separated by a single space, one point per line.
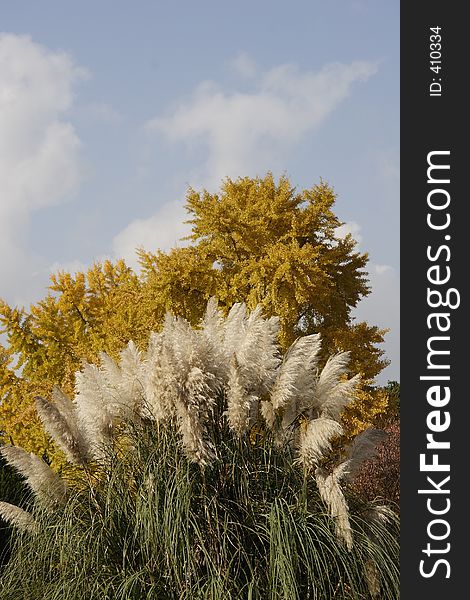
204 468
379 477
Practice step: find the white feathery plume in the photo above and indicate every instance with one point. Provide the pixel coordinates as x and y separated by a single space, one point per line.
181 340
131 384
341 471
194 404
364 446
94 398
211 340
166 376
234 329
63 429
310 349
257 352
252 341
155 392
239 401
213 323
47 485
265 356
17 517
268 413
92 385
270 353
111 383
106 394
186 384
110 370
340 397
332 393
175 352
251 368
295 377
208 353
332 495
66 407
122 397
285 386
315 441
335 367
180 343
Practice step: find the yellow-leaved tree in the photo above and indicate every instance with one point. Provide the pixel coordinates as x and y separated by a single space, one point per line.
258 241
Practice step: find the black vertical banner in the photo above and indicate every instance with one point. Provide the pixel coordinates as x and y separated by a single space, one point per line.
435 476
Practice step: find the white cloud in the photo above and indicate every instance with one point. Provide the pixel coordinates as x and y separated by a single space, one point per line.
244 65
72 266
39 150
163 231
246 133
101 112
350 227
388 166
380 269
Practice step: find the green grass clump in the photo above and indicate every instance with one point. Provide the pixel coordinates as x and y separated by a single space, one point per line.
153 525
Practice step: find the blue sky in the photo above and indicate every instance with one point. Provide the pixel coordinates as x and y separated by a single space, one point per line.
109 110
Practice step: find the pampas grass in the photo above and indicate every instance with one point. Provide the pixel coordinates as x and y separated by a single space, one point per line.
59 420
155 525
17 517
176 499
47 486
316 440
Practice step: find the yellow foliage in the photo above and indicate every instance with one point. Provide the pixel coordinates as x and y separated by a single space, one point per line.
367 405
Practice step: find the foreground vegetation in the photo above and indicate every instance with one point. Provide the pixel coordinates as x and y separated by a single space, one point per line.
207 467
238 530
